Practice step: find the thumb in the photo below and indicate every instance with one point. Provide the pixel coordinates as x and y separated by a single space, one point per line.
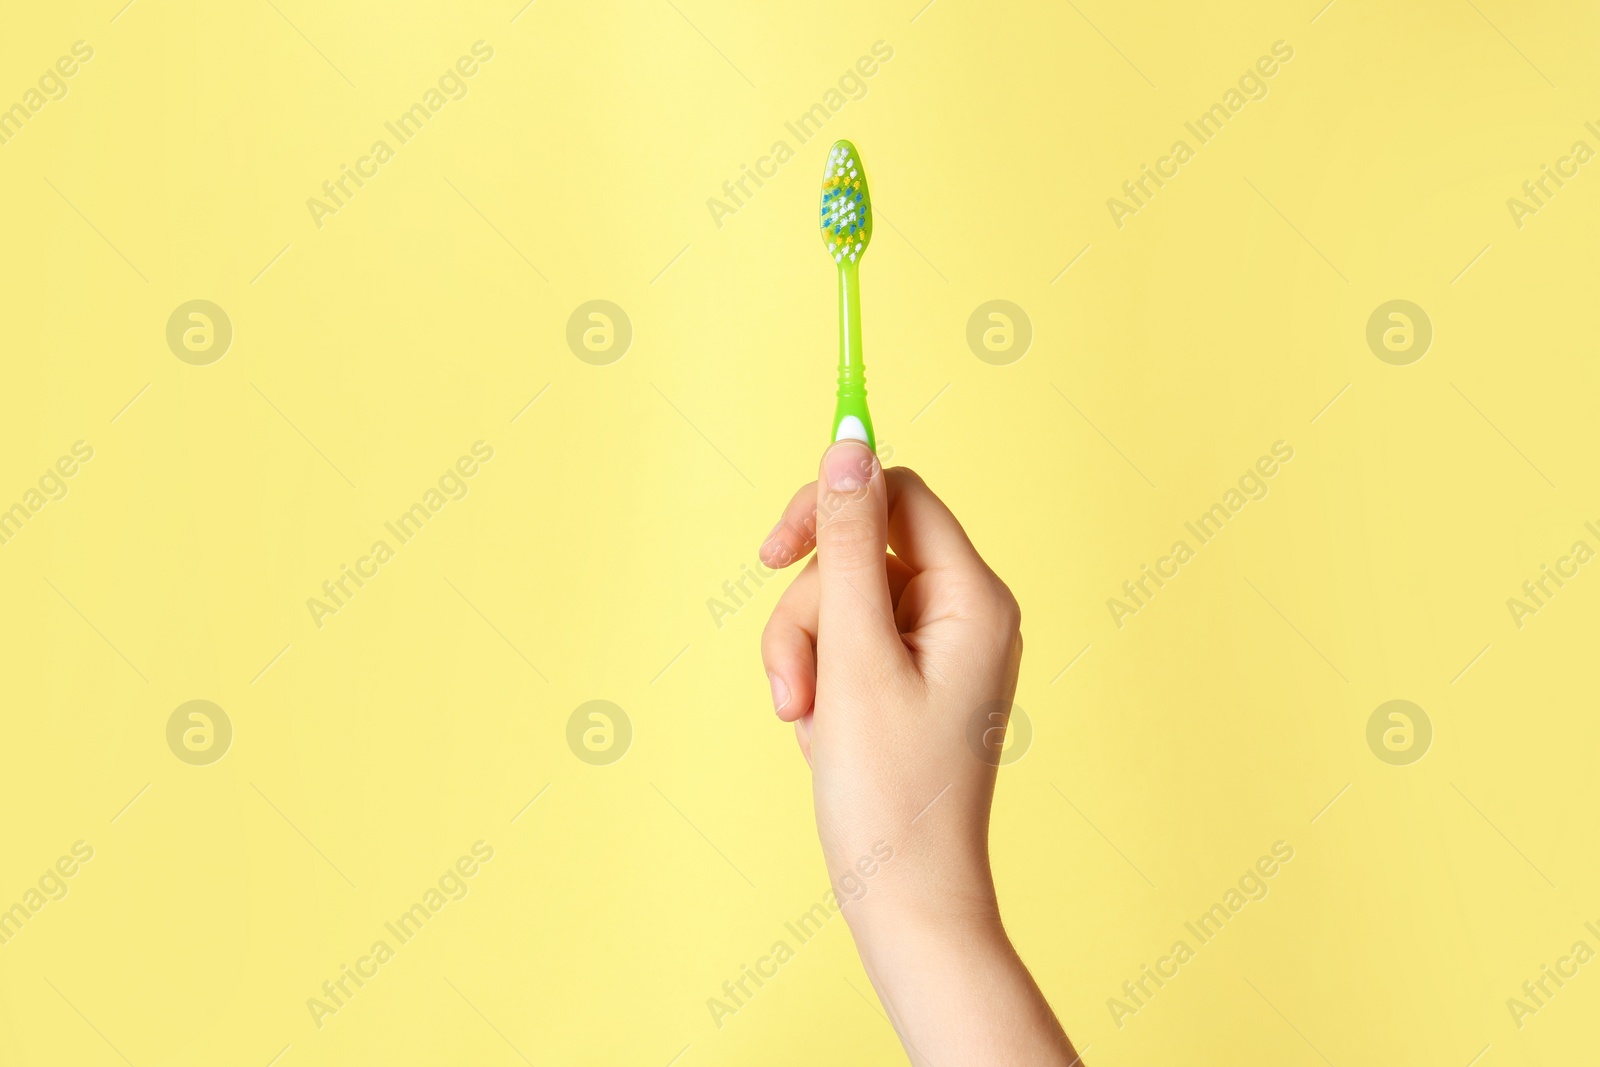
855 614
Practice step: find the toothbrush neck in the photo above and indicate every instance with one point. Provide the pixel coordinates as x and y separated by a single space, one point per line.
852 363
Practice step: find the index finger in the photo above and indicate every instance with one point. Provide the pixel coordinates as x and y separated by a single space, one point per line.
796 533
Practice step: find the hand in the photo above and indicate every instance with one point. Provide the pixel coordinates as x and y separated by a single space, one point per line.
891 667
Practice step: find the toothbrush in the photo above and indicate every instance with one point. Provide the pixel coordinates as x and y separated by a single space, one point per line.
846 231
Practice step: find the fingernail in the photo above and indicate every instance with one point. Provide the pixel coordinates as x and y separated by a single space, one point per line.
780 692
848 466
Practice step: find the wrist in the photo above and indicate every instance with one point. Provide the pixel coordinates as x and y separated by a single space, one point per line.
921 886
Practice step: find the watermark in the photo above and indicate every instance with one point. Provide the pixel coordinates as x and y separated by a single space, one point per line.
737 192
999 332
199 733
1538 592
1252 886
1000 733
51 486
737 592
50 887
1137 593
1537 192
1399 732
1152 178
599 332
453 484
739 991
1537 992
1399 332
599 732
51 87
338 191
199 332
338 991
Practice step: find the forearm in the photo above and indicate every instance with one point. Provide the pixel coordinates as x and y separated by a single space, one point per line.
957 992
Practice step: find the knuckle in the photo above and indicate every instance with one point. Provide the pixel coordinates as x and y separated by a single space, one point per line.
1001 605
849 538
908 474
1013 612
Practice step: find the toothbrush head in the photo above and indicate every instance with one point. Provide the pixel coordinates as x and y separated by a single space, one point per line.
846 205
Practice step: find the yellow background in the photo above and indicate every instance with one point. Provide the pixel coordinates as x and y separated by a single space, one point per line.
371 352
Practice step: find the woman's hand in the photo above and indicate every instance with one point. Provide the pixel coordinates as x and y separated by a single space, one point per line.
898 672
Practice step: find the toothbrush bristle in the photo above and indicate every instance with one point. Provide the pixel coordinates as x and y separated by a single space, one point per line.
846 204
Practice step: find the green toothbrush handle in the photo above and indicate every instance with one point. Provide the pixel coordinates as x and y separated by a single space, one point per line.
850 416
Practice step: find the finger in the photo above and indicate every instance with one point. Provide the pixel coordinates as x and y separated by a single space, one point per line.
802 734
789 642
927 537
922 530
855 612
796 532
788 646
900 576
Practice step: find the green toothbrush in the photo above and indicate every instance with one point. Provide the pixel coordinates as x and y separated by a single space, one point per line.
846 231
